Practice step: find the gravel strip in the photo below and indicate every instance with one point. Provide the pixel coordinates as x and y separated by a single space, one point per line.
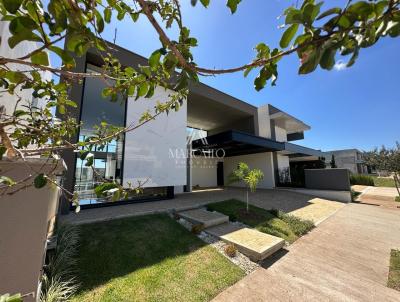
240 260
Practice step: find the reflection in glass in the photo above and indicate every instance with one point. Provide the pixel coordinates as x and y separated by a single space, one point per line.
108 160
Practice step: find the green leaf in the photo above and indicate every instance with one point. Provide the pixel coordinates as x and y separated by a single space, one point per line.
15 76
310 12
334 10
22 24
353 57
344 22
328 59
7 181
12 6
294 16
23 36
99 21
362 9
143 89
261 80
89 160
288 35
310 62
107 14
102 189
394 31
205 2
154 59
247 71
66 58
40 181
40 58
232 4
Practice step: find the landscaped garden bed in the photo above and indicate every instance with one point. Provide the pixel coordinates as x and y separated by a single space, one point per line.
272 222
149 258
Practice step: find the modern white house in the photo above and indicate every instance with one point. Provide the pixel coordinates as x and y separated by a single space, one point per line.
197 146
351 159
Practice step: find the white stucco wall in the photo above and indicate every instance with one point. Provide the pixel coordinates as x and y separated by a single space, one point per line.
156 151
204 171
280 134
262 161
7 100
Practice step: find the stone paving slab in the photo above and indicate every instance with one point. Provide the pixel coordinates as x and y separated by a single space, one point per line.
204 217
254 244
318 210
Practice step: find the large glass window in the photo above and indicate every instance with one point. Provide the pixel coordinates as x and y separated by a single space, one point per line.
107 160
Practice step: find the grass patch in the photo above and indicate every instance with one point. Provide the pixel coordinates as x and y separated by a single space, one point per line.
383 181
272 222
360 179
397 199
354 195
149 258
394 270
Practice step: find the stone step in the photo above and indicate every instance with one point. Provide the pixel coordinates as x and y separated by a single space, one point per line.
250 242
204 217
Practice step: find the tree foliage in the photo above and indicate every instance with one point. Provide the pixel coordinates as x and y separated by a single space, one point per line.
314 31
386 159
250 177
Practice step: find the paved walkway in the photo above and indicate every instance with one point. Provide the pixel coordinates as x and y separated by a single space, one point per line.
378 196
301 205
345 259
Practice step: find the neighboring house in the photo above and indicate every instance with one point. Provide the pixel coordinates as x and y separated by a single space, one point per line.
218 130
351 159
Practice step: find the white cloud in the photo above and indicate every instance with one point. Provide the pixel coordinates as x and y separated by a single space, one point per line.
340 65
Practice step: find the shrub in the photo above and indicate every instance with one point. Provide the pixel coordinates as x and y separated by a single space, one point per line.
397 198
359 179
230 250
299 226
58 283
197 228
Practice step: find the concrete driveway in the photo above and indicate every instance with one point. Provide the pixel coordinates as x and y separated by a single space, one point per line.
302 205
345 259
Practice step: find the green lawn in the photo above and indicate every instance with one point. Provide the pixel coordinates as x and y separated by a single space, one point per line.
271 222
394 270
383 181
149 258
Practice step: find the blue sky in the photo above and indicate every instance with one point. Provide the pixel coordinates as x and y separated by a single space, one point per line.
356 107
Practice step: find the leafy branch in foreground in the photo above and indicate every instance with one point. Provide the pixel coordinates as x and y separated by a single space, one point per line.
315 32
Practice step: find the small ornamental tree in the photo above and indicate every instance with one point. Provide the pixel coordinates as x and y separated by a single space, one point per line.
251 178
386 159
333 162
316 32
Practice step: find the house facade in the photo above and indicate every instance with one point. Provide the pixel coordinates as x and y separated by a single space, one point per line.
197 146
351 159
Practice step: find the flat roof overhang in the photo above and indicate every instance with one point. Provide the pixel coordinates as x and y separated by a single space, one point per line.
236 143
287 121
293 150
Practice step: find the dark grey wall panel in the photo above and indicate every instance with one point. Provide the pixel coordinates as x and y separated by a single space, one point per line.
327 179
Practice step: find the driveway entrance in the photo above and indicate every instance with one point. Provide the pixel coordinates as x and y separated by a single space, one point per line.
346 258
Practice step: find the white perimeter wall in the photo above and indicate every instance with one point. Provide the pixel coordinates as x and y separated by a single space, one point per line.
150 150
262 161
204 171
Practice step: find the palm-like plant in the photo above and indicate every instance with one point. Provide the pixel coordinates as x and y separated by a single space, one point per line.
251 177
